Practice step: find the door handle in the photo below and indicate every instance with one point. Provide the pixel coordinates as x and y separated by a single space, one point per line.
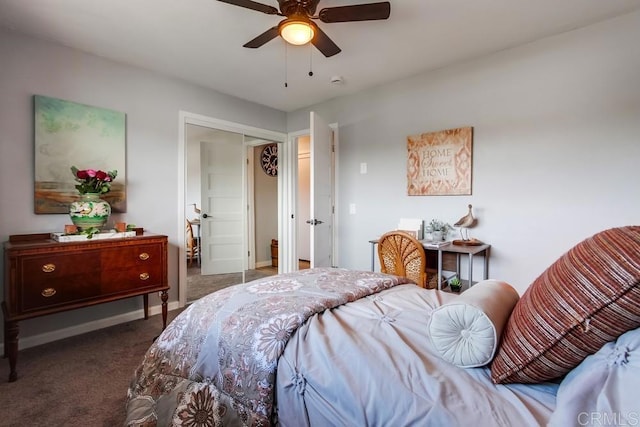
204 215
314 221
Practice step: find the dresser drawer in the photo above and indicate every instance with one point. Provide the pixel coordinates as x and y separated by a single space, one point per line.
57 279
132 268
132 279
136 257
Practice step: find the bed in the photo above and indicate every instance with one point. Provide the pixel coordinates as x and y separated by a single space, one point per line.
339 347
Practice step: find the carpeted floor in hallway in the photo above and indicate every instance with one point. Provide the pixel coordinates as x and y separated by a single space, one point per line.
199 286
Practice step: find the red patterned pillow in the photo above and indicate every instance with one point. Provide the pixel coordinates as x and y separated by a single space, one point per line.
588 297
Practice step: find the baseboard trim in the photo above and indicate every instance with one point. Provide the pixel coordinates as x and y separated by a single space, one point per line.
71 331
263 264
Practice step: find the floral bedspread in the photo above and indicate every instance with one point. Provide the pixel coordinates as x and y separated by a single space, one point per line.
215 364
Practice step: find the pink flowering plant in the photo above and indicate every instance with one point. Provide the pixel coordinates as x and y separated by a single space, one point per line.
93 181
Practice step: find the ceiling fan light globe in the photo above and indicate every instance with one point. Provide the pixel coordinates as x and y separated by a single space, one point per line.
297 32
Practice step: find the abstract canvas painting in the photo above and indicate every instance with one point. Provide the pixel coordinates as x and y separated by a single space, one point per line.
70 134
439 163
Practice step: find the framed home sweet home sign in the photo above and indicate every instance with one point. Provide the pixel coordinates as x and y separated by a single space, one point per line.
439 163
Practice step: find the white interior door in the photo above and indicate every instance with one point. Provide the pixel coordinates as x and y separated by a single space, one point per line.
304 200
321 194
222 218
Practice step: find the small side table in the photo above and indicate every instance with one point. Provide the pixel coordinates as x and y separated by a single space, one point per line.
483 250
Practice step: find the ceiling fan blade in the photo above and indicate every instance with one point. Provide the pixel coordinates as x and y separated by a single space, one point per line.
269 10
324 44
263 38
358 12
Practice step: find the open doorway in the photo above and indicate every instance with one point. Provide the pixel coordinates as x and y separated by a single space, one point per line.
216 196
304 201
315 154
262 207
324 221
218 189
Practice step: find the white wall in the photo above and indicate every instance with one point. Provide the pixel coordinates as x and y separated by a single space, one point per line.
556 147
266 210
151 103
194 135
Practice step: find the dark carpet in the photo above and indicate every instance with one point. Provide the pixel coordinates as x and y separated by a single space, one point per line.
199 286
78 381
83 380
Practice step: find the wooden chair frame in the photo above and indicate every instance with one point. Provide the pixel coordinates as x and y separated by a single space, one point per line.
403 255
191 246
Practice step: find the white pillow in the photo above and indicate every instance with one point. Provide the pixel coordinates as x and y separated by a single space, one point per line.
601 391
466 331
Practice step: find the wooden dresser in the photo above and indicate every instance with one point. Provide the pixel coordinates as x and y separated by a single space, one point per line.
43 276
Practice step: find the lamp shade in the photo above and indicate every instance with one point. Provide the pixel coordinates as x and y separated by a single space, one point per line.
296 31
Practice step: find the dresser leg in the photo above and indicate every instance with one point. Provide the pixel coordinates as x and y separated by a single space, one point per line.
11 330
6 339
164 296
145 299
6 330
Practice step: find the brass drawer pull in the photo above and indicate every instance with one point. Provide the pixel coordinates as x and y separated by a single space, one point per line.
144 276
144 256
48 292
48 268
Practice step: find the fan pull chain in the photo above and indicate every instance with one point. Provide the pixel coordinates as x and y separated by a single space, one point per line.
310 60
285 66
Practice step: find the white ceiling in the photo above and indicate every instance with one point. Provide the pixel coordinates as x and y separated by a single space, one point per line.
200 41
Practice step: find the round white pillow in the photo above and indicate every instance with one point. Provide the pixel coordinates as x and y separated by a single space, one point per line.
466 331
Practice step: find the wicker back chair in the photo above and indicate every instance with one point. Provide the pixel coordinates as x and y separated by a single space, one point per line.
192 246
403 255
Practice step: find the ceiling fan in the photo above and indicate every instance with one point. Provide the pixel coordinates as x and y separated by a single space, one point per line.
298 27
